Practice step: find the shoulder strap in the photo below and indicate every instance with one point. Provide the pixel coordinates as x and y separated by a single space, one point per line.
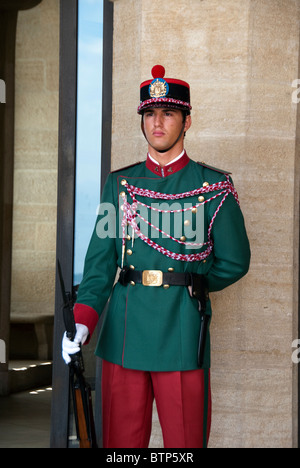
221 171
126 167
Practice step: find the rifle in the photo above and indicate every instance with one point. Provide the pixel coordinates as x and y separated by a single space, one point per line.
80 389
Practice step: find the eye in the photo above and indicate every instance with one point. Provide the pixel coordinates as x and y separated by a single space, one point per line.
169 113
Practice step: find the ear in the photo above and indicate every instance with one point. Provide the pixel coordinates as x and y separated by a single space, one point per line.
188 123
142 126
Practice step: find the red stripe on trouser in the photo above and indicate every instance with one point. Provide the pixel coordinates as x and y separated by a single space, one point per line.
127 407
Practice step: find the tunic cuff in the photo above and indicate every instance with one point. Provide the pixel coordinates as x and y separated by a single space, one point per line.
87 316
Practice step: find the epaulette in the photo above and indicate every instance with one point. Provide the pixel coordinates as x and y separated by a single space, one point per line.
221 171
126 167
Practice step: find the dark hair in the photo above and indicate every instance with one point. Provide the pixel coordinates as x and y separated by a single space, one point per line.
184 112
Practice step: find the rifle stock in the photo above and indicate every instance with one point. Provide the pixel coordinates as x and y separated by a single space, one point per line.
84 438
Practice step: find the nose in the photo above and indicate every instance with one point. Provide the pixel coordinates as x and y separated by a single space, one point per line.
157 120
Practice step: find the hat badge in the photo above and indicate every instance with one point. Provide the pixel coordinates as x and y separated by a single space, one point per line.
158 88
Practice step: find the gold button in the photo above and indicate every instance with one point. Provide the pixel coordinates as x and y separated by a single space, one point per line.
206 184
170 270
132 267
187 222
129 252
166 286
123 182
201 199
183 238
194 210
132 283
122 194
128 237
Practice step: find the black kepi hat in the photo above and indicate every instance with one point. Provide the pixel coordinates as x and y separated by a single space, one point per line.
164 92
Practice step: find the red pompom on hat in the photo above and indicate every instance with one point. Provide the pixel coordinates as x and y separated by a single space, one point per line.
164 92
158 71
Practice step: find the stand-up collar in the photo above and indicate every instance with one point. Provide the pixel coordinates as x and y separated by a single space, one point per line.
174 166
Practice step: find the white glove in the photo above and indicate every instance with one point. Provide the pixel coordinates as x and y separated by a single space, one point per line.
73 347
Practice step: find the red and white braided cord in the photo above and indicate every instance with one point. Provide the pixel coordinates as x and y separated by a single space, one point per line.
225 185
130 214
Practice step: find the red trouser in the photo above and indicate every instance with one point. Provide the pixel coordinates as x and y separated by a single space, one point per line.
183 403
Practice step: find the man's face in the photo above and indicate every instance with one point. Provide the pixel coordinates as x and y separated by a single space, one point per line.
162 127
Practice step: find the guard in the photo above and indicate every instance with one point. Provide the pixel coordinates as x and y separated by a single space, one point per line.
173 230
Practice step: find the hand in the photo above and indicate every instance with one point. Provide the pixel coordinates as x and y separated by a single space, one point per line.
73 347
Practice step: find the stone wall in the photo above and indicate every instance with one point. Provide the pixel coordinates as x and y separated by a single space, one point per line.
240 58
36 140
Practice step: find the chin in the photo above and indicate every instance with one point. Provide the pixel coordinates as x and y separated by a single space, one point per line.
159 147
161 150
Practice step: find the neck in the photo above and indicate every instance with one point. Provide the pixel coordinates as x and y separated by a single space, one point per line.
168 156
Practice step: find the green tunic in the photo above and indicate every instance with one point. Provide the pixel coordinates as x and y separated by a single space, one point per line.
152 328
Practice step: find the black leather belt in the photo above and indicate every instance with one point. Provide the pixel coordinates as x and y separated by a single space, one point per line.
154 278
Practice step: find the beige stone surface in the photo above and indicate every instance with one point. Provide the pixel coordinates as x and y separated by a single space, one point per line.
240 58
35 178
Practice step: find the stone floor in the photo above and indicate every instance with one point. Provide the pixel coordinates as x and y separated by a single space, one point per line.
25 419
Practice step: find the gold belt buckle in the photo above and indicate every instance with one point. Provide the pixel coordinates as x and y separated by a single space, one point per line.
152 278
